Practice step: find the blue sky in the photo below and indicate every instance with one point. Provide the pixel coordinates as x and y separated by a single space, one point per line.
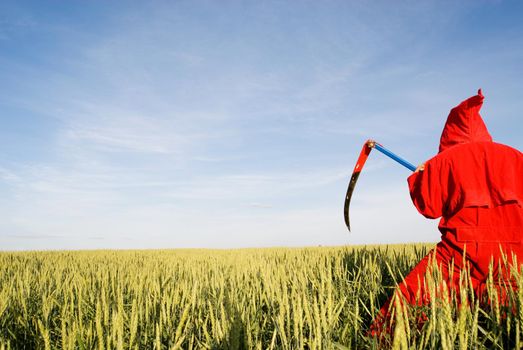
226 124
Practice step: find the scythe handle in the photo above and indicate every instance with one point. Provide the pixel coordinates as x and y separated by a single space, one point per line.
392 155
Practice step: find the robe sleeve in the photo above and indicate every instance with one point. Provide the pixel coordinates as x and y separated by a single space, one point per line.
429 188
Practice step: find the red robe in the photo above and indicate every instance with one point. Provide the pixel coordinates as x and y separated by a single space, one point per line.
476 187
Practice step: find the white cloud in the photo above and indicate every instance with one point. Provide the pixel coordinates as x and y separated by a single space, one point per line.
8 176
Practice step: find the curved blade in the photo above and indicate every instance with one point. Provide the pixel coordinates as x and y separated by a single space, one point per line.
365 151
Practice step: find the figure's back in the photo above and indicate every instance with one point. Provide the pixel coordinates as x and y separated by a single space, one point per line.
484 192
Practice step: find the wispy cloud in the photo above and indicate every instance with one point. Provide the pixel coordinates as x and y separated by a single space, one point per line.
128 134
36 237
252 186
11 26
260 205
8 176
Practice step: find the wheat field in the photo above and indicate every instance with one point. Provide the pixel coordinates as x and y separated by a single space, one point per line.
278 298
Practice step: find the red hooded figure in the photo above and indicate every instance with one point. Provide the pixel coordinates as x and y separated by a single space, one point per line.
475 185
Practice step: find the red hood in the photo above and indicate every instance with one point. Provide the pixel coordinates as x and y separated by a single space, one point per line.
464 124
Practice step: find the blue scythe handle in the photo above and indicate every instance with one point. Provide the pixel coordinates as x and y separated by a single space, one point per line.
392 155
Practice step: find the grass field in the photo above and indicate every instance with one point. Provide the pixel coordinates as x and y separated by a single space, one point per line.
310 298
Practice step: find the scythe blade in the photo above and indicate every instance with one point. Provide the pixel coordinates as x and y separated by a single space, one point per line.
367 147
365 151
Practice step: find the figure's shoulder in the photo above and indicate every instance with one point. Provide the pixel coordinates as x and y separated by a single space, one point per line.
495 153
505 148
473 152
479 148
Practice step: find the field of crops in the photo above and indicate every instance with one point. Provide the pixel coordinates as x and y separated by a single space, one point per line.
310 298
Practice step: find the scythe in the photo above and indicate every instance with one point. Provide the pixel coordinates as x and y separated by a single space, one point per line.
365 151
